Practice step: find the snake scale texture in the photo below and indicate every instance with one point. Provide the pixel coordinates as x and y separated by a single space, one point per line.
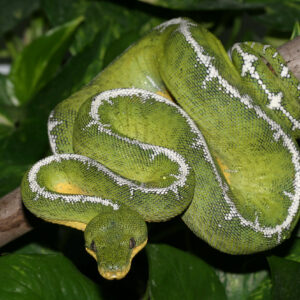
175 126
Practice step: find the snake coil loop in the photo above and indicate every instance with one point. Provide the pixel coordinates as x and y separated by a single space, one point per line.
175 126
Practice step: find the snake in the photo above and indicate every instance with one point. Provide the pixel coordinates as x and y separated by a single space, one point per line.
175 126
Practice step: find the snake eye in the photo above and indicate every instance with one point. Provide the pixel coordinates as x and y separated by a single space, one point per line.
93 246
132 243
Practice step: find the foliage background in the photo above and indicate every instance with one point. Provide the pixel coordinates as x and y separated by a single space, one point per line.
54 48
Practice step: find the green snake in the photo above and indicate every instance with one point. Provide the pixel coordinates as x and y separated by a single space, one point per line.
175 126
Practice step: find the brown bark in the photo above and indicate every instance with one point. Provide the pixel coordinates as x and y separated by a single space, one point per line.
13 222
291 53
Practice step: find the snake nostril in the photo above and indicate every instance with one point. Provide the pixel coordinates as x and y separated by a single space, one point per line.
132 243
93 246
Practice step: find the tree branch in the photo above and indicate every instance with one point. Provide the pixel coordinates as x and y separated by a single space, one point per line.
291 53
13 222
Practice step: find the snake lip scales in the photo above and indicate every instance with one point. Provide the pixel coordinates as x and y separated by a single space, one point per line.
223 155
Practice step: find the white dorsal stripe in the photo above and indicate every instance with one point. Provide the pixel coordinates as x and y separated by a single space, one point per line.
42 192
212 72
52 123
107 96
274 99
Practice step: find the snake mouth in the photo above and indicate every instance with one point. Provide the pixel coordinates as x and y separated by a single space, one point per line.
110 274
114 274
121 273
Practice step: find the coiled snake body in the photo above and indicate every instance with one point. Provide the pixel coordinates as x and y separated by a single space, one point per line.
223 155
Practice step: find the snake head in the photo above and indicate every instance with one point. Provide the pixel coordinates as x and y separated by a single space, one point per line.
113 239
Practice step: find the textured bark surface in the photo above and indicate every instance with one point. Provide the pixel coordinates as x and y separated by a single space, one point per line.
291 53
13 222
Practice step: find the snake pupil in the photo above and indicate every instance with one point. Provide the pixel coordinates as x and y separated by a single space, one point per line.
93 247
131 243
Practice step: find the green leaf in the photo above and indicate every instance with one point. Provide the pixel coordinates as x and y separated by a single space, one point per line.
296 30
175 274
240 286
206 4
12 12
285 278
43 276
39 61
4 93
263 291
102 16
11 172
294 251
34 248
59 12
6 121
281 15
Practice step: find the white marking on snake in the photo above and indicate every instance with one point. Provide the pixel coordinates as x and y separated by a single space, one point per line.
52 123
212 72
154 150
274 99
285 71
265 48
42 192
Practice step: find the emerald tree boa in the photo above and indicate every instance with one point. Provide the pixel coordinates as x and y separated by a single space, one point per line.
175 126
